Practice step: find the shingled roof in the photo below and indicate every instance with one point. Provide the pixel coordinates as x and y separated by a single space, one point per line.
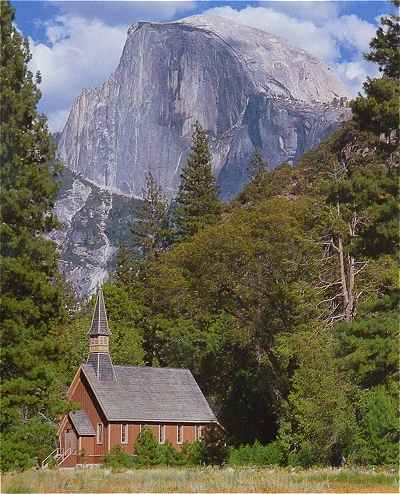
99 326
81 423
102 365
150 394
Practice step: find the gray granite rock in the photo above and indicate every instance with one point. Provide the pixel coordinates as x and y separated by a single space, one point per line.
246 87
94 223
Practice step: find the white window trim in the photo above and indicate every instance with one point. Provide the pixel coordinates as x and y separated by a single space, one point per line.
161 433
126 433
177 434
140 428
199 432
99 440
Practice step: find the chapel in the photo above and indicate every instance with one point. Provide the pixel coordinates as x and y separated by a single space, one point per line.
114 403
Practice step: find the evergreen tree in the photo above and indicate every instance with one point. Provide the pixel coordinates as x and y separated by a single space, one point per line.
197 203
385 46
257 166
378 110
151 232
31 297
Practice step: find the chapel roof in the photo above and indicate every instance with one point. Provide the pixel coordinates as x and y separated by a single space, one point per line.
81 422
146 394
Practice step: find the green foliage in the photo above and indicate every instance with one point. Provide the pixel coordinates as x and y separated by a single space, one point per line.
378 440
385 45
256 454
147 449
320 410
378 110
215 447
32 304
257 166
148 452
193 453
197 203
368 349
117 459
151 232
26 445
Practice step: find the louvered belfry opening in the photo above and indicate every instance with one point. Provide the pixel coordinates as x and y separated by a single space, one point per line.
99 356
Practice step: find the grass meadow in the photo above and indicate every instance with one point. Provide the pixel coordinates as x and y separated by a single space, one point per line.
201 480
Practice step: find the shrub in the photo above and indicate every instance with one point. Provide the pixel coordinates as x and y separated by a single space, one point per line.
256 454
26 445
147 449
379 434
118 459
215 448
305 457
169 456
193 453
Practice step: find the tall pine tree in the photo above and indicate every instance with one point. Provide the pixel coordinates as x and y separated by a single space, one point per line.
151 232
197 203
31 296
257 166
378 110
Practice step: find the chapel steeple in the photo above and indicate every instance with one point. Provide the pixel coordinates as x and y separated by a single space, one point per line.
99 354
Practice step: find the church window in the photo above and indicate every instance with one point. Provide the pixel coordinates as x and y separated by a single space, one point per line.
161 434
99 435
124 433
179 434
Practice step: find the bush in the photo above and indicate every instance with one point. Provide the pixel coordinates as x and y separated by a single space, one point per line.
169 456
147 449
379 434
118 459
27 445
305 457
193 453
215 449
256 454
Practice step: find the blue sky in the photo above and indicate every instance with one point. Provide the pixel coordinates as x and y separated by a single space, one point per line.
77 45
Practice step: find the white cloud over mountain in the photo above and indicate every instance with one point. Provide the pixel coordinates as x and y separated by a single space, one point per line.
84 43
321 31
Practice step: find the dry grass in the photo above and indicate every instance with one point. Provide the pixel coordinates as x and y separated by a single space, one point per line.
201 480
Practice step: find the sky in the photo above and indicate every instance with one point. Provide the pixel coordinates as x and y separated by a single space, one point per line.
77 44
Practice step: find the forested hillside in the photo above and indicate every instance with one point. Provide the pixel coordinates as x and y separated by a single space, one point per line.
283 303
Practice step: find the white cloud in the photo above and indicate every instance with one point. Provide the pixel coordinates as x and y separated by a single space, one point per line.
319 29
299 32
355 73
79 54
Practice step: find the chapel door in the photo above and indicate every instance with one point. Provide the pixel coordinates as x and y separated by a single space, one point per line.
70 440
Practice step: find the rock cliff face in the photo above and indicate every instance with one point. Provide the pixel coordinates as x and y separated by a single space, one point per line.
95 222
247 89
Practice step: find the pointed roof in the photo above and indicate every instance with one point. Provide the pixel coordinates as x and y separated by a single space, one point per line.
99 326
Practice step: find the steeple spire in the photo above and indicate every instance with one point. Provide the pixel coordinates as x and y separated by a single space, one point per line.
99 332
99 326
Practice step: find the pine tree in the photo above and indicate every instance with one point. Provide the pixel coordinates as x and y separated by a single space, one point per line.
197 203
378 110
385 46
151 232
31 297
257 166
